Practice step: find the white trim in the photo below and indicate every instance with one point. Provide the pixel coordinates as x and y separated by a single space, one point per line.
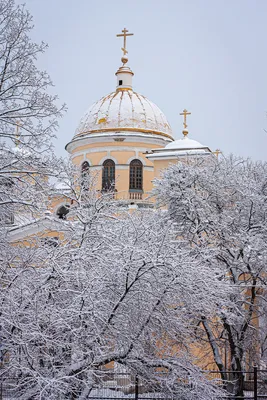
124 167
155 157
107 158
85 159
148 168
109 150
110 136
42 225
136 158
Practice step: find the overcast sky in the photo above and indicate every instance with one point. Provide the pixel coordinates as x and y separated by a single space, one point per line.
209 56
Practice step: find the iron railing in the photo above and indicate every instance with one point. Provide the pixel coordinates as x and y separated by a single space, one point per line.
241 385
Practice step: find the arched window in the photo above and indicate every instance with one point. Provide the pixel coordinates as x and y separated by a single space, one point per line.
63 211
84 174
85 167
108 175
136 175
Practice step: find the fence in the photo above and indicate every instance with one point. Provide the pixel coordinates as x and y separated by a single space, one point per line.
241 385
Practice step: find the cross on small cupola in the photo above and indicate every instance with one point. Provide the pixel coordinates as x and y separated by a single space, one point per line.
185 113
124 73
124 34
217 152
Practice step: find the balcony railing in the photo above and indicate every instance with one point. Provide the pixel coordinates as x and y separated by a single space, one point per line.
136 195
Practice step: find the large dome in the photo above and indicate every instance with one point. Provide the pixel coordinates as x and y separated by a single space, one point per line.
124 110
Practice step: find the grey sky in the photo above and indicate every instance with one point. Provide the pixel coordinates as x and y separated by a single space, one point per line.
208 56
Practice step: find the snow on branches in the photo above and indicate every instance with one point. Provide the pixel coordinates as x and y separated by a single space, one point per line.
116 290
24 97
220 209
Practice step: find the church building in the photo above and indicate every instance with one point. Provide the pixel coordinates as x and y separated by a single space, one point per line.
126 141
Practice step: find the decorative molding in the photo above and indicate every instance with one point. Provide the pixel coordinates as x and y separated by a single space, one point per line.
125 129
151 169
109 138
85 159
87 152
45 224
136 157
108 157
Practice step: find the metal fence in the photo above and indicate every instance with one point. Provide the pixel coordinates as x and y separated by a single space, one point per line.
241 385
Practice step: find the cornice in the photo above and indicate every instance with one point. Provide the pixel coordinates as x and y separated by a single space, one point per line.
133 136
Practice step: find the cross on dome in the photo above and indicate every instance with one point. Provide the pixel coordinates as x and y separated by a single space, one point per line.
185 113
217 152
124 34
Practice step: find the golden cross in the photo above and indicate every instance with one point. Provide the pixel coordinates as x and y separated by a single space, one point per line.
217 152
185 113
124 34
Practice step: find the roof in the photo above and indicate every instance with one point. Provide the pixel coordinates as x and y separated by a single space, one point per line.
180 147
124 110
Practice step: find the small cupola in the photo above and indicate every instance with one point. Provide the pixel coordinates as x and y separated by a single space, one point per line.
124 73
124 78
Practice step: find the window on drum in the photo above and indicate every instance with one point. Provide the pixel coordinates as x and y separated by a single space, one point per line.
108 175
136 175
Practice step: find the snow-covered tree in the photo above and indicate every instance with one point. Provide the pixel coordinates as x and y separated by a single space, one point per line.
116 291
24 89
220 210
28 112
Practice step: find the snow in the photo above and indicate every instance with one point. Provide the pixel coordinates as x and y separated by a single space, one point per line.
62 185
124 109
180 147
22 152
115 394
185 143
176 153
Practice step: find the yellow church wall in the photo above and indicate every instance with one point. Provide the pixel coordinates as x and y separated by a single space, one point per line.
77 160
122 157
32 240
146 161
148 178
85 147
122 183
94 158
122 153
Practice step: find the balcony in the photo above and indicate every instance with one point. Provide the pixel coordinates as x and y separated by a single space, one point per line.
138 197
135 194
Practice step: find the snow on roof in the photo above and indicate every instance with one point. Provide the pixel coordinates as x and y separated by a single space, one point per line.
124 109
181 147
185 143
62 185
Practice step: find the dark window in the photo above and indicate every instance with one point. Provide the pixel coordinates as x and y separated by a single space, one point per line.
85 166
84 174
50 241
63 211
120 82
136 175
108 175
